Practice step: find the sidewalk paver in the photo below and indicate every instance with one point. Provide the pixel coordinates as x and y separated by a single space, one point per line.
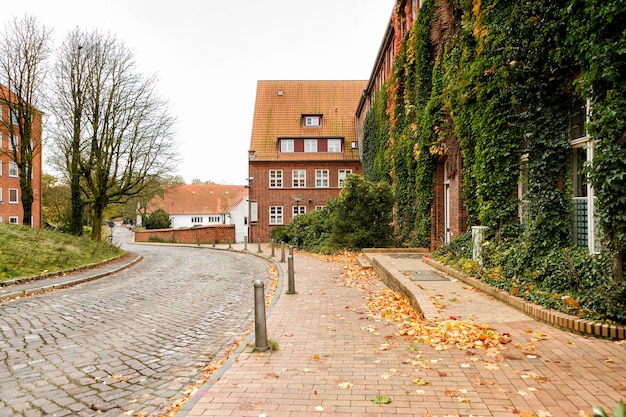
336 356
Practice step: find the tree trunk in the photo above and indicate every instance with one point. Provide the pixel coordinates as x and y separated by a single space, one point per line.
26 189
96 230
617 266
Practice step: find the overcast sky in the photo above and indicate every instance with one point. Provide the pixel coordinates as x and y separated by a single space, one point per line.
209 54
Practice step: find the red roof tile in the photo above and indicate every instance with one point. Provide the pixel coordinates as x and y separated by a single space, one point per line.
199 199
278 113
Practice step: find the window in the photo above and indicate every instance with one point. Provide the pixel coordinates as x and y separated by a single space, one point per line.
13 142
276 215
321 178
214 219
13 220
13 172
196 219
319 207
276 178
1 199
522 189
583 224
254 211
286 145
312 121
298 178
310 145
583 220
1 143
13 195
343 173
297 210
0 168
13 117
334 145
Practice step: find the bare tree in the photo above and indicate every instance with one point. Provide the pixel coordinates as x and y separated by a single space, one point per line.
24 50
112 129
69 97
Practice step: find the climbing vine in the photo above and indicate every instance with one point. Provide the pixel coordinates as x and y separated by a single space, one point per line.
492 84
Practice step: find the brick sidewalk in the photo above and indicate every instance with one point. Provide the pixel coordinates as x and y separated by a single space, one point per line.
335 358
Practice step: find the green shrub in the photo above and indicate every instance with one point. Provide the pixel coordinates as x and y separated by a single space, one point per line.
159 219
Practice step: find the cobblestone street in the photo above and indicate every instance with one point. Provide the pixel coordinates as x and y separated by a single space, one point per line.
128 343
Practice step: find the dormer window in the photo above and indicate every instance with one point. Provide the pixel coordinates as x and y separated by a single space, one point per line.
312 120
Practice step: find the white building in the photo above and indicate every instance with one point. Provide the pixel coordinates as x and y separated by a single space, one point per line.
205 204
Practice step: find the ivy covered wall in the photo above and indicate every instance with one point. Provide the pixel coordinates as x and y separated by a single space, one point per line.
491 82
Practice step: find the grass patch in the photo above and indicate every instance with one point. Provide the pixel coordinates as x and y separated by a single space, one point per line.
26 251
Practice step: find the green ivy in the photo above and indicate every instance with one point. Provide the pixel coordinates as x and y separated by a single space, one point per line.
494 81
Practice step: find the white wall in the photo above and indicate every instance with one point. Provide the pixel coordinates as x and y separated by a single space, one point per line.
237 217
184 220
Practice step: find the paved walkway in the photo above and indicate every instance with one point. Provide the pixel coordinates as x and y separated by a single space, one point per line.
339 358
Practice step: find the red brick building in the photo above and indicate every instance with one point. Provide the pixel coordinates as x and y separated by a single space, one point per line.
11 210
448 213
303 144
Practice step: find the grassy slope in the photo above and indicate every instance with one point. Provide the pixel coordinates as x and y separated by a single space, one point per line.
25 251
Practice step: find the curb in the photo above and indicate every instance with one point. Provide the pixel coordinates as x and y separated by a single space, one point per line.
66 280
554 318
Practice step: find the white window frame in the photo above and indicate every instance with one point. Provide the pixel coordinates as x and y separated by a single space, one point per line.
276 178
286 146
310 145
322 178
13 116
14 220
1 201
298 178
589 199
334 145
312 121
341 175
276 215
14 142
14 192
13 170
297 211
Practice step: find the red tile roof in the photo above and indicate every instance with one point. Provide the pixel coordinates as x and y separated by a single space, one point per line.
278 113
199 199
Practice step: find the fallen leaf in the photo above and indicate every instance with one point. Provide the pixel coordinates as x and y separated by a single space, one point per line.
319 408
379 399
420 381
345 385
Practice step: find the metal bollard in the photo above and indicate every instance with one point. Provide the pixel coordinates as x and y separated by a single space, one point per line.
260 327
272 245
245 244
213 242
282 251
290 276
229 244
258 241
291 250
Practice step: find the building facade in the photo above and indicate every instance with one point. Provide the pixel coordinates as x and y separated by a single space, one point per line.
204 205
303 145
448 214
11 210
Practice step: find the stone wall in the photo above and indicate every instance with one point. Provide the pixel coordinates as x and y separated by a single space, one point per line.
218 233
